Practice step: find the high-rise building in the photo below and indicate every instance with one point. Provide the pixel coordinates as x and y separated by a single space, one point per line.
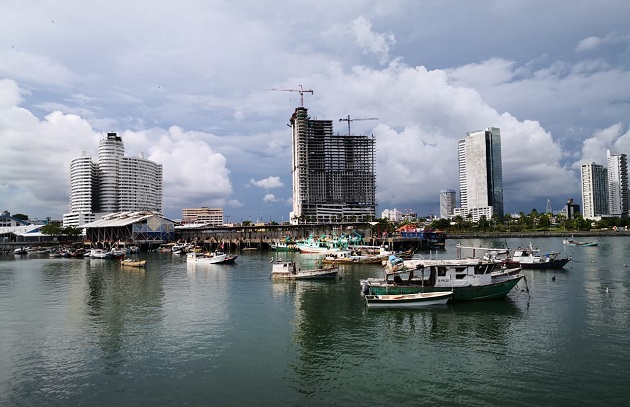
333 176
480 175
594 190
618 203
115 184
447 203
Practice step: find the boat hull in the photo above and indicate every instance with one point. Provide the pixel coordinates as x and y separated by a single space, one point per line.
214 259
418 300
130 263
329 275
543 265
493 291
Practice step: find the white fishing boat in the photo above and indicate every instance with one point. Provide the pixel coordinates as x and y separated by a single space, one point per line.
417 300
210 258
288 269
529 258
100 254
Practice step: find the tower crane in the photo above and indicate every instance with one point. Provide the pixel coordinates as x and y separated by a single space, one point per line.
348 119
302 91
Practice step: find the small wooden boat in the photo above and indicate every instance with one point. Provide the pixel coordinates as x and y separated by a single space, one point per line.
133 263
289 270
416 300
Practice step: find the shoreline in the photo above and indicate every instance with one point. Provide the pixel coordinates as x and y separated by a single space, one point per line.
500 235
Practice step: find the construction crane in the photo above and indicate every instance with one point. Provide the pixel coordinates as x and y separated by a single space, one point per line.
302 91
348 119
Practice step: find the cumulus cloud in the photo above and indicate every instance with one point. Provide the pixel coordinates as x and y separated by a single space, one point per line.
268 183
594 148
372 43
270 198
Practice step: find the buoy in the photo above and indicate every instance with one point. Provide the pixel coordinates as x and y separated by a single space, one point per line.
606 289
553 278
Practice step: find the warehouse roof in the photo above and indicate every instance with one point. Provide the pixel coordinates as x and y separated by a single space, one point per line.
122 219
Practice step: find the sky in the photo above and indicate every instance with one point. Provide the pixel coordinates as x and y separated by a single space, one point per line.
206 88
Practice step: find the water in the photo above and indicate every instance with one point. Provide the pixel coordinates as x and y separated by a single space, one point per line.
89 333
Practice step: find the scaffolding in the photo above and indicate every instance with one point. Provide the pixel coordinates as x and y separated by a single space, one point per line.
334 176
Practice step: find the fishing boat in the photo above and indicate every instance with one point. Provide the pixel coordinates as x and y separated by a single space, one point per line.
20 251
288 269
418 300
133 263
322 245
285 245
572 242
352 257
528 258
468 279
210 258
100 254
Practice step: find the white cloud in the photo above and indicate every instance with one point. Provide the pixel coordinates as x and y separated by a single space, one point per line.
371 42
268 183
588 44
270 198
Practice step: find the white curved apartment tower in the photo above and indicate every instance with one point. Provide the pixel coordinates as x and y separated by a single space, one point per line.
110 152
117 183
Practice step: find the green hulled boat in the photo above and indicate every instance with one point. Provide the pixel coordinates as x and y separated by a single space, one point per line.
469 279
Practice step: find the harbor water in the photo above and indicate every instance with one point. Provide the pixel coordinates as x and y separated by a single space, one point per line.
80 332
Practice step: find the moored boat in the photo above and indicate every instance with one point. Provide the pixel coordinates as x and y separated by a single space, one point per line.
528 258
100 254
285 245
572 242
417 300
133 263
288 269
469 279
210 258
351 257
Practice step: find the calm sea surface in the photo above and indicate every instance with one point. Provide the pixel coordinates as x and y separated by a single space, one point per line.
90 333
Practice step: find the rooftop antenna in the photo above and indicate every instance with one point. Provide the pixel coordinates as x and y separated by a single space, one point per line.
348 119
302 91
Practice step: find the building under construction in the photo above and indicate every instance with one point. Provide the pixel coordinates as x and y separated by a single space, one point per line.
334 177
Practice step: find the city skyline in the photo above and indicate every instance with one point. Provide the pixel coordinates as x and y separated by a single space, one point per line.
218 120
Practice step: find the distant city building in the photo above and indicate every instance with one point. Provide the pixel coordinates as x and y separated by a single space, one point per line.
8 221
394 215
115 184
594 190
210 216
448 198
570 209
480 175
618 203
334 177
